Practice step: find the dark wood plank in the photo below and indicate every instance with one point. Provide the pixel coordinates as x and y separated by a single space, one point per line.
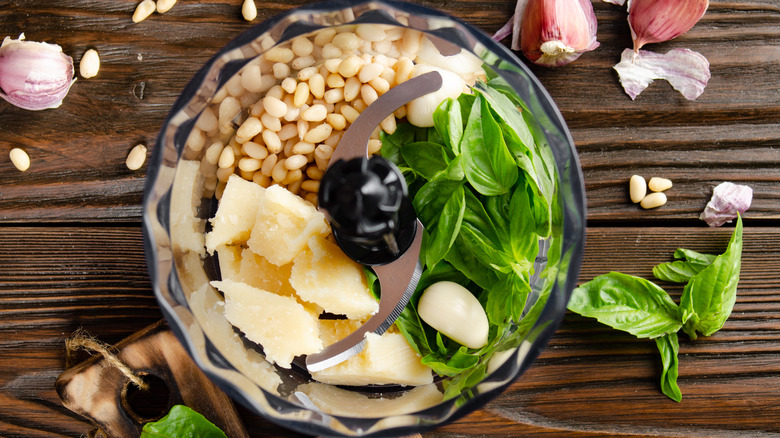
590 380
730 133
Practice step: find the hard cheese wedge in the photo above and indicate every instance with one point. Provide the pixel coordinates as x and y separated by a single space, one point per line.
257 271
322 274
186 228
236 213
229 257
284 223
386 359
280 324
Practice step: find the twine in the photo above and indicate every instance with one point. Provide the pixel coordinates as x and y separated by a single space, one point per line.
81 340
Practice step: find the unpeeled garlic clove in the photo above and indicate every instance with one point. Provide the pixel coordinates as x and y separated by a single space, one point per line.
556 32
656 21
34 75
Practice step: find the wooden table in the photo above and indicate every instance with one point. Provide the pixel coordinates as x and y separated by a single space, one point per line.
70 236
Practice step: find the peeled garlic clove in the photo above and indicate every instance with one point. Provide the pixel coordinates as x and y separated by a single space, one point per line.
34 75
656 21
556 32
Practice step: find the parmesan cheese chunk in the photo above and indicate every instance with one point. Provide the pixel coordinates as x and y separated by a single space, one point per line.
186 228
280 324
256 271
229 258
283 225
236 214
324 275
386 359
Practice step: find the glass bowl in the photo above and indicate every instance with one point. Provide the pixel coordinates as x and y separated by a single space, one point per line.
185 180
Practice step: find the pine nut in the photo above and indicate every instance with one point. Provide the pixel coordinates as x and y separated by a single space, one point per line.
370 32
302 148
349 113
207 121
351 89
196 140
223 173
368 94
301 46
301 94
314 172
653 200
234 86
227 158
302 62
657 184
279 172
295 162
307 73
249 129
281 70
262 180
637 188
249 10
379 84
295 179
334 81
272 142
270 122
268 164
89 64
333 96
411 42
164 6
287 132
388 124
329 51
279 54
359 104
374 146
315 113
370 71
318 133
311 185
249 164
274 107
143 10
324 36
312 198
229 108
213 152
350 66
289 85
337 121
317 85
254 150
346 41
303 128
19 158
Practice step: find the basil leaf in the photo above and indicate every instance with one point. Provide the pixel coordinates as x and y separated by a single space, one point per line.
488 165
447 228
681 271
405 133
425 158
506 300
430 200
627 303
464 260
708 298
182 422
668 345
448 121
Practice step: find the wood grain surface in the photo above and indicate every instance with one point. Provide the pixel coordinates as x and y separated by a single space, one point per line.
71 253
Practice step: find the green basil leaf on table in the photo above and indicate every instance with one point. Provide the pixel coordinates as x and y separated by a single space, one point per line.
688 264
182 422
709 296
627 303
668 345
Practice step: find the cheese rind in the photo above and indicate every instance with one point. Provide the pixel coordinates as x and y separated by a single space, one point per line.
283 224
324 275
284 327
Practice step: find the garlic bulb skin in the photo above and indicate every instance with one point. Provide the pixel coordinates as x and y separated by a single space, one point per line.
556 32
656 21
34 75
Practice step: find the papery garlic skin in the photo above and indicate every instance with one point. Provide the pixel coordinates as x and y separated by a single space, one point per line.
656 21
556 32
34 75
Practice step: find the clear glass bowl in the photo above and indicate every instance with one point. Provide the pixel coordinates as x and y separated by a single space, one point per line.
180 195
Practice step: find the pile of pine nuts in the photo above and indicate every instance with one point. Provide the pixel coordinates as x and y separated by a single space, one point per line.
294 102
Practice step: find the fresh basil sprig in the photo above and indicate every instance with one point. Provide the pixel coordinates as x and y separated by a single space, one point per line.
486 196
640 307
